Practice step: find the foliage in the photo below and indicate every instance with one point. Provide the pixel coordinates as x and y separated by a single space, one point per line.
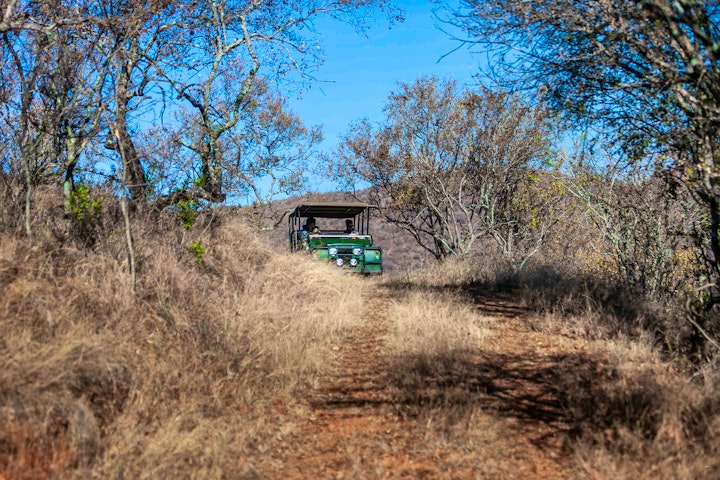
646 73
451 167
643 231
87 216
187 213
82 205
197 248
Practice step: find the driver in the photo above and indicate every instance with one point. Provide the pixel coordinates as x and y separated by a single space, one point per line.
350 226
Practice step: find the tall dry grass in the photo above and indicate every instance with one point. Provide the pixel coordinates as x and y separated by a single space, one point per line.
630 405
634 416
193 374
178 379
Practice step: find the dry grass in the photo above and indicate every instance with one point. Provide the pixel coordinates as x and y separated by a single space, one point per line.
429 355
629 411
638 419
427 325
184 377
96 381
452 273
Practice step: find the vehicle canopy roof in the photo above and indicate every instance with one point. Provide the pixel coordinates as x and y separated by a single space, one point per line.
330 209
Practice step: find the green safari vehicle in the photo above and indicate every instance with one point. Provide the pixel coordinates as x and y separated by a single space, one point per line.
337 233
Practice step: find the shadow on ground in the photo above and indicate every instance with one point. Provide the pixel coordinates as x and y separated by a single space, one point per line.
573 394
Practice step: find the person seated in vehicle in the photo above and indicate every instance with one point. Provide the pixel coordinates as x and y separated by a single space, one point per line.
310 226
350 227
302 237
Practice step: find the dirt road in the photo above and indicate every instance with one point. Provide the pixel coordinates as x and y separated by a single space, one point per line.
509 423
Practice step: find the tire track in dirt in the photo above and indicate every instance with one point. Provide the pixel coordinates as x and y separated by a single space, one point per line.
357 429
354 430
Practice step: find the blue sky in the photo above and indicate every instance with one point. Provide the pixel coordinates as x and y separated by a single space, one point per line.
360 71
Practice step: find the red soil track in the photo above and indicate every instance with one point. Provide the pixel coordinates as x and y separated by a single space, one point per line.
356 430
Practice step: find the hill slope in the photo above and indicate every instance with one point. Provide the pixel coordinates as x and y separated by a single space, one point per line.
238 361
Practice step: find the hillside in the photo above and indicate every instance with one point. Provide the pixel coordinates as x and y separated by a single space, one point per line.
546 303
238 361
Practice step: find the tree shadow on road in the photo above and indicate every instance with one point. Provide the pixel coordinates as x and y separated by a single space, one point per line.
573 394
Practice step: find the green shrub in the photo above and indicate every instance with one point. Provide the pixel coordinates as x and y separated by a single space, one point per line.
187 213
197 248
82 206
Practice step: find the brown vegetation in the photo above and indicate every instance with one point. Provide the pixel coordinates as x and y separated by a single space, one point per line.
175 380
621 407
239 360
569 328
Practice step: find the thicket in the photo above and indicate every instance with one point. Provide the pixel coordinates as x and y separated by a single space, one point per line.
479 176
641 78
100 92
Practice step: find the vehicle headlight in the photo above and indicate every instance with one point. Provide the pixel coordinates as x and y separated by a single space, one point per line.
339 262
357 251
332 251
353 262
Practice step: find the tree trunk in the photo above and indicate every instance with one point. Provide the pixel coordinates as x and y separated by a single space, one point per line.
124 144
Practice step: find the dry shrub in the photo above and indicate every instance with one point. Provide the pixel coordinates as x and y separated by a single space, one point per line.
632 416
176 380
594 308
451 272
563 297
563 289
650 435
34 449
62 380
629 412
49 222
12 193
58 400
185 446
293 306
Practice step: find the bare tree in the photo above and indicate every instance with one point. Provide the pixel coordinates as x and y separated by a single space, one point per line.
269 156
141 58
62 67
646 71
451 167
224 50
644 230
57 105
72 97
133 47
25 65
43 17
